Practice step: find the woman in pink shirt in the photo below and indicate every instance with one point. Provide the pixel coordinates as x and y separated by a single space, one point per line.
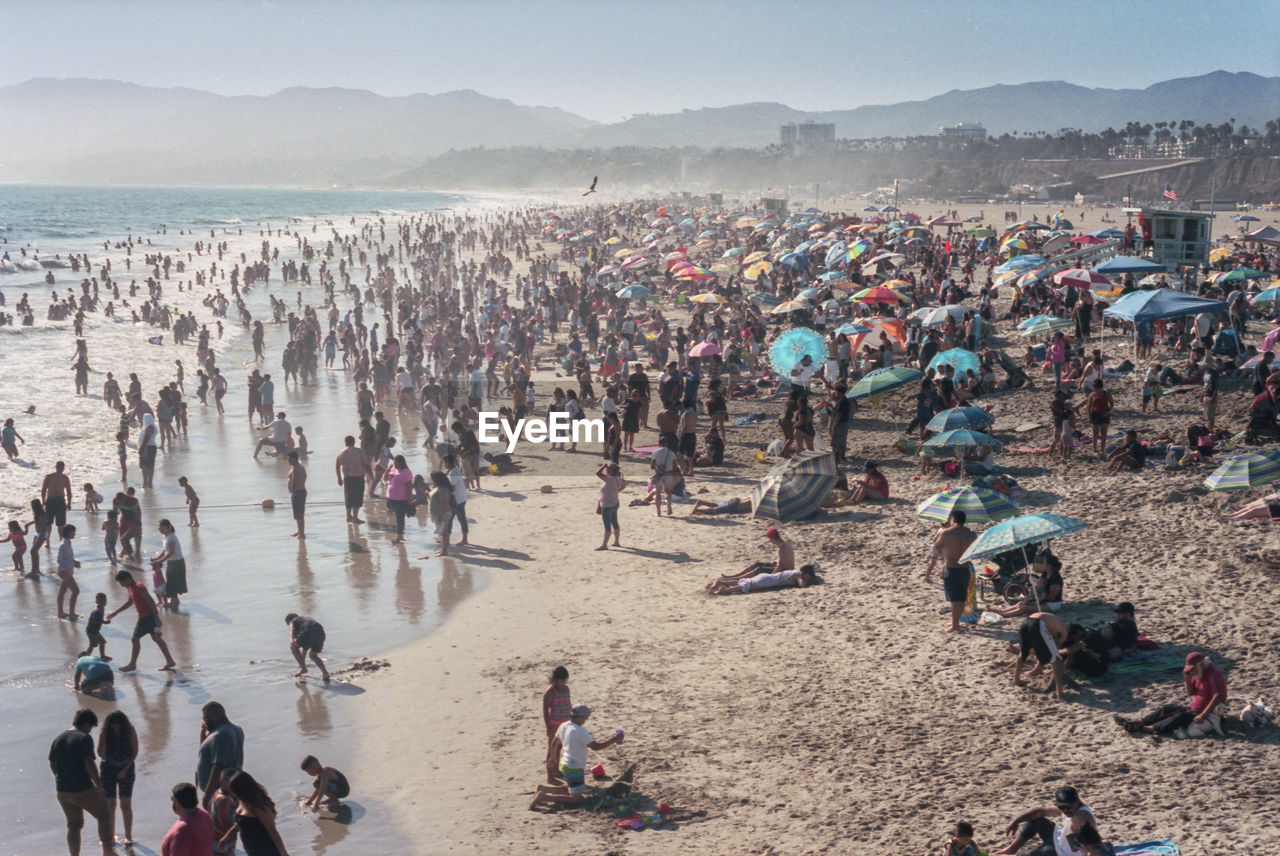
399 481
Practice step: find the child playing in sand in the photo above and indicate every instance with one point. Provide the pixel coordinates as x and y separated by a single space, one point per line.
110 534
67 565
961 841
573 740
223 809
330 785
193 500
1151 389
18 538
92 499
94 628
300 444
556 708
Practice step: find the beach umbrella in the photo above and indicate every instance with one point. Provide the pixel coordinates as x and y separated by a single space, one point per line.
636 263
979 504
765 299
1220 253
1240 274
1027 322
810 293
960 417
1250 470
852 329
795 488
1032 276
755 269
936 316
961 359
607 269
835 304
1013 244
733 251
878 294
792 346
1080 278
883 380
1046 325
755 257
1021 531
788 306
1269 295
794 260
1021 263
979 232
705 349
708 297
1108 234
833 275
634 292
962 438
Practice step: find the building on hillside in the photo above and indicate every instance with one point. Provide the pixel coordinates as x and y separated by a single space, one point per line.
806 136
964 132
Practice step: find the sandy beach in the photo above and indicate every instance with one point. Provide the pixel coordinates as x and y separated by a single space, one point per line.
834 719
838 719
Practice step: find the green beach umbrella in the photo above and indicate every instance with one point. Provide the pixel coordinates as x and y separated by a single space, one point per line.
1251 470
883 380
1047 325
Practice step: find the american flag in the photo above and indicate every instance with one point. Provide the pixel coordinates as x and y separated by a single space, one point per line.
1170 193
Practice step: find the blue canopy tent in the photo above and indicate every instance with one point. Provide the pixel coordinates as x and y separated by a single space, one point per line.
1138 307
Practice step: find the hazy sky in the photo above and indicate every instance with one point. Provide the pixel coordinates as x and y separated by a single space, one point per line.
607 59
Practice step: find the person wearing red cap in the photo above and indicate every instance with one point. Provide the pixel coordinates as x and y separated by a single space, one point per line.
786 561
1207 689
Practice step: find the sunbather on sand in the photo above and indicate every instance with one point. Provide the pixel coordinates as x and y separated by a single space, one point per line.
751 580
1259 509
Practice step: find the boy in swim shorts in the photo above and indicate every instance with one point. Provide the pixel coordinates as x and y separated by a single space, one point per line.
330 785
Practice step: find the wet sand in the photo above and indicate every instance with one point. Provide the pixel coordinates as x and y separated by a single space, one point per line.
244 574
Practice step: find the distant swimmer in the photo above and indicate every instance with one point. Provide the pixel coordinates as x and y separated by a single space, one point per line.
592 189
31 411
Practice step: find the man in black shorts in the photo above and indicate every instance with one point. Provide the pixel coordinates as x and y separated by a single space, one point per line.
55 493
306 639
950 544
1053 641
352 467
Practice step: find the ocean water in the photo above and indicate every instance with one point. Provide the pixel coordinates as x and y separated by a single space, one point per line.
245 571
60 219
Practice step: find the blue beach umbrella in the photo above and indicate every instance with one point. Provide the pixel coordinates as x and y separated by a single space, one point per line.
765 299
634 292
962 438
791 347
962 360
852 329
960 417
1020 532
794 488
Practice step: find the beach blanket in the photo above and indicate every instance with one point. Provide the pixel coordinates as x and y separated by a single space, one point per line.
1142 663
1163 847
645 451
749 419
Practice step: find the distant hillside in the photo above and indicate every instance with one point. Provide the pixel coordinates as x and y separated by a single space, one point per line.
103 131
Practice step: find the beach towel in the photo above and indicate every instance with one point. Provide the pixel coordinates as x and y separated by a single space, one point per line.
749 419
1142 663
645 451
1163 847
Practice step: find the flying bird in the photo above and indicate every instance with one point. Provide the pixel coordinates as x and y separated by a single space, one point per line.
592 189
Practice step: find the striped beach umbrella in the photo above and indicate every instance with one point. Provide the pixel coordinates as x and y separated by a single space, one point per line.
708 297
1021 531
789 306
634 292
979 504
1047 325
883 380
795 488
960 417
1251 470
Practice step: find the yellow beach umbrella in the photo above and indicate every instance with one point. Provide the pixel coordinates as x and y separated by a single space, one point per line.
754 270
755 257
623 253
708 297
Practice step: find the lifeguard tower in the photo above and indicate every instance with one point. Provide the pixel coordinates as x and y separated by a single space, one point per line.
1177 237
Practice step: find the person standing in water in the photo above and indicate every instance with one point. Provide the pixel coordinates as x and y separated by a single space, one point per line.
297 486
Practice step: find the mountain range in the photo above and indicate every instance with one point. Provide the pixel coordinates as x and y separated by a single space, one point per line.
106 131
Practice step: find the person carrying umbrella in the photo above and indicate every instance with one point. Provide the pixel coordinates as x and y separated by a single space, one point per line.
950 544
